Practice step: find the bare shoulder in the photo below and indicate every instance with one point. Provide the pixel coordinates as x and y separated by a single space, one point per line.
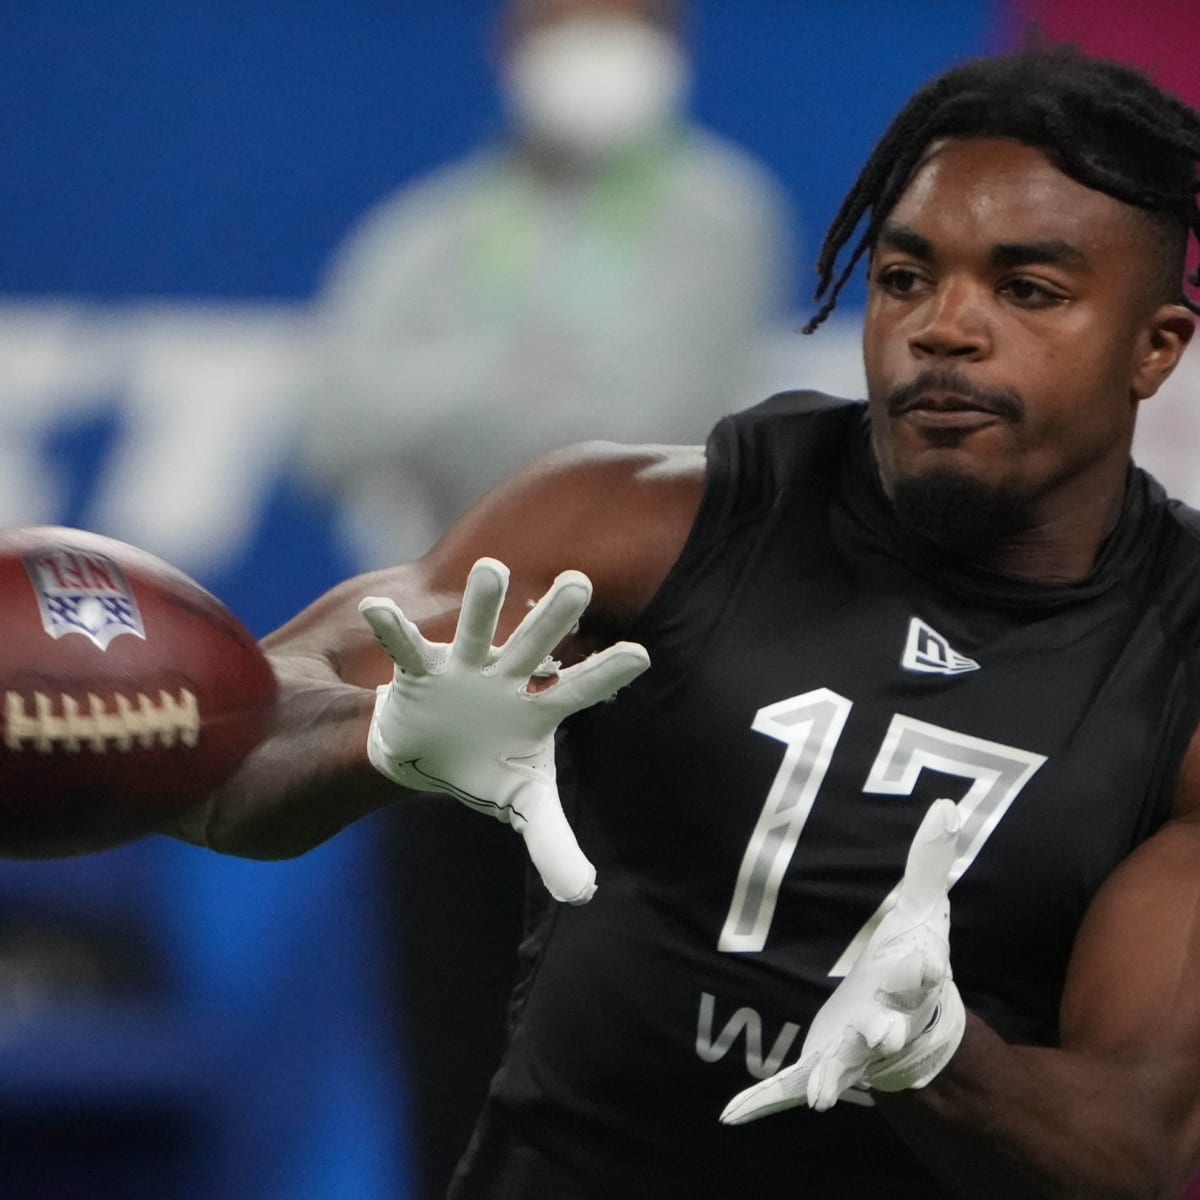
618 513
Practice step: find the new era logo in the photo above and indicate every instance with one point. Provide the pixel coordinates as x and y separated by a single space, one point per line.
928 652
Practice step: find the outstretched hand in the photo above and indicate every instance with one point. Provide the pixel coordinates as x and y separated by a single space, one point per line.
461 718
896 1018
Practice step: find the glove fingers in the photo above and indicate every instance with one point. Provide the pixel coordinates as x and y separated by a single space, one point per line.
835 1072
396 634
596 678
536 814
886 1033
545 625
930 859
785 1089
482 599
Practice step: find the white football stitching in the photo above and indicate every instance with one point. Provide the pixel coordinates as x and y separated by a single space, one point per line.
142 721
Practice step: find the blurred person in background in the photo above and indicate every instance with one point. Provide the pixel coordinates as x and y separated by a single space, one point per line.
603 270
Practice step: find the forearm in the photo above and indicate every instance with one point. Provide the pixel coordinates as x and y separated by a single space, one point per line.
1026 1122
308 779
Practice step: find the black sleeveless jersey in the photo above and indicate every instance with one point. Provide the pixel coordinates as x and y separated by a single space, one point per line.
818 679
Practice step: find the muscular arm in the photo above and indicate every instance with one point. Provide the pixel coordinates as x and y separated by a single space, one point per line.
1115 1110
619 514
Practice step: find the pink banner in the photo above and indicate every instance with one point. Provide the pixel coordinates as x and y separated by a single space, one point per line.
1160 38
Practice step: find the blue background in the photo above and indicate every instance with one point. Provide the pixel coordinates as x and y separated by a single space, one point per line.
220 150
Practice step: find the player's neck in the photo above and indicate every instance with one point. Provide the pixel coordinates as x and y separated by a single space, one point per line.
1060 547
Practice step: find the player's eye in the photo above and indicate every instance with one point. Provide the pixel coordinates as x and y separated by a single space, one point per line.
898 281
1028 293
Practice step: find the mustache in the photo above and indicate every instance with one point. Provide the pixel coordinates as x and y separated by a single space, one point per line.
949 388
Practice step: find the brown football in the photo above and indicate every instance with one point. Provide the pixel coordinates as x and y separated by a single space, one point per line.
127 691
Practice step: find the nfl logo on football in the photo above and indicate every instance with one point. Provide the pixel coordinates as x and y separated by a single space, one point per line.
84 593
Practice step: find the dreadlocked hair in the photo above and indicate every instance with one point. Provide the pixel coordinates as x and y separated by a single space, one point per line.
1105 124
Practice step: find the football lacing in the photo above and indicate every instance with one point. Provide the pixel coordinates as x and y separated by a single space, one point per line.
141 722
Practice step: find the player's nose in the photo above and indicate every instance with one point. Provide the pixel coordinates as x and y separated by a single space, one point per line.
953 324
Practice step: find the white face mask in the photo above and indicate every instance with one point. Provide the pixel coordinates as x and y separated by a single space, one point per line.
590 85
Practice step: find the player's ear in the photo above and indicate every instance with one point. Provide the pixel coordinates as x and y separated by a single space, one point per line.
1159 348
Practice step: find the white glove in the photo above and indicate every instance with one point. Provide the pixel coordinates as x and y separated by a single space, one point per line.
896 1018
460 718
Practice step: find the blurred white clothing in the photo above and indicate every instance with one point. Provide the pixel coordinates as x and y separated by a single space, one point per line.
483 316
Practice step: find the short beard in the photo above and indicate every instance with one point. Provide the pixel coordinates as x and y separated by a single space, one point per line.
960 513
